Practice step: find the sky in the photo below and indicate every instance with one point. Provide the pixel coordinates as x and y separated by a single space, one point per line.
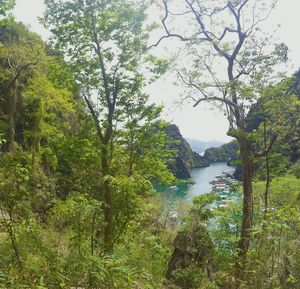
203 122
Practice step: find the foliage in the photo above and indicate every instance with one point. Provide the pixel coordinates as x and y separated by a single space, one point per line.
284 190
6 5
51 171
81 146
225 153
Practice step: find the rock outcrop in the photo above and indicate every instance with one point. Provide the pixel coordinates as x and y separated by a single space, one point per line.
192 249
184 159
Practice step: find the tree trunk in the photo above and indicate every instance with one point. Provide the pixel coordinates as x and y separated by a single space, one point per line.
106 188
267 183
92 247
108 208
12 117
13 240
244 242
268 179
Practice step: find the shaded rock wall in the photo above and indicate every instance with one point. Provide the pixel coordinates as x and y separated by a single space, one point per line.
184 159
193 250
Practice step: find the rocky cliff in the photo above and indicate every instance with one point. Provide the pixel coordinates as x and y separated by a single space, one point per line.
184 159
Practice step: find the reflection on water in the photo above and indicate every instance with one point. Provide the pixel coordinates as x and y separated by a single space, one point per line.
202 176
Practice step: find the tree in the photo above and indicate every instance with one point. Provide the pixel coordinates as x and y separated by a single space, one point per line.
106 44
15 171
20 51
51 176
229 58
6 5
273 114
45 111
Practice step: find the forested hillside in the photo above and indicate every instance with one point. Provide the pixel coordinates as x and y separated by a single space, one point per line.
225 153
83 150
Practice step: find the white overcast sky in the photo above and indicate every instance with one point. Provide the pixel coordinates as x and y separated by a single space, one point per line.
202 122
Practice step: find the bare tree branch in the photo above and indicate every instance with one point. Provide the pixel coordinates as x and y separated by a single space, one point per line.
268 149
98 52
205 32
19 71
94 115
215 98
168 33
255 23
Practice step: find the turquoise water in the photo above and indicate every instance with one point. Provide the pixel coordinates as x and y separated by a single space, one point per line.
197 185
178 198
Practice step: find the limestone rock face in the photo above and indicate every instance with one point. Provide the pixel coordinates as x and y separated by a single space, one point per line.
184 242
183 253
185 159
191 248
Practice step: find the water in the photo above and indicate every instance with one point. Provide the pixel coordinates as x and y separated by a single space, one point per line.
178 198
202 176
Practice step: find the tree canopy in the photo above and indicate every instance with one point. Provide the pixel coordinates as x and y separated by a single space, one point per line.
87 198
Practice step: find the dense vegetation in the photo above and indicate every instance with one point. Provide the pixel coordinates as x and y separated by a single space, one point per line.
82 152
225 153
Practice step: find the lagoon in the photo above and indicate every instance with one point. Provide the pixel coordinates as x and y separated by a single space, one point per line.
202 176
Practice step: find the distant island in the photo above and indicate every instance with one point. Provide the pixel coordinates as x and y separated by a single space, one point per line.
201 146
